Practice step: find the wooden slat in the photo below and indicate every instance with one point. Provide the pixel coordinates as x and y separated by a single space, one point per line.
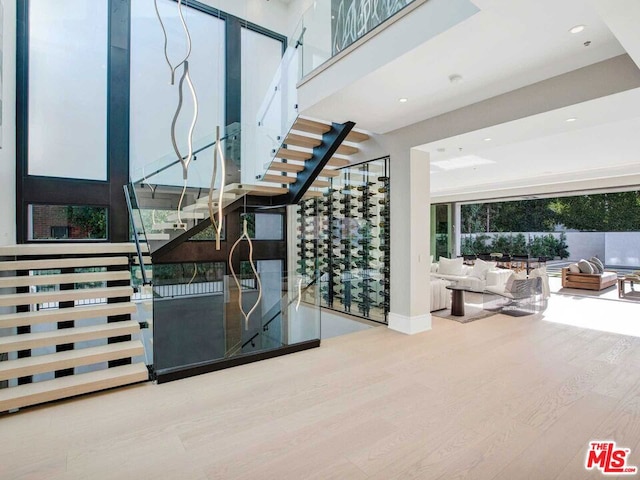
286 167
338 162
278 179
311 126
357 137
347 150
64 387
302 141
28 341
63 278
16 299
24 319
288 154
37 249
23 367
58 263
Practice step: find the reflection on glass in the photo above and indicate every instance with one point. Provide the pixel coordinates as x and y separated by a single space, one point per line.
67 222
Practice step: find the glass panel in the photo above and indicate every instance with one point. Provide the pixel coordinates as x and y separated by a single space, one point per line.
345 236
194 324
441 231
68 113
256 81
154 100
330 26
67 222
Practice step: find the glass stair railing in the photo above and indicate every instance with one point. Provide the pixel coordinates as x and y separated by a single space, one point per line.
199 322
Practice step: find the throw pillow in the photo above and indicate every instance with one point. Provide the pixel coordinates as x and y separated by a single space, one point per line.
480 269
574 268
434 268
585 266
450 266
598 263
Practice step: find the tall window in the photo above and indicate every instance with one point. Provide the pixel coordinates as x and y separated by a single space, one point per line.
154 100
68 88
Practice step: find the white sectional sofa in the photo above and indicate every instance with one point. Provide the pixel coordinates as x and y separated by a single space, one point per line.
477 277
440 296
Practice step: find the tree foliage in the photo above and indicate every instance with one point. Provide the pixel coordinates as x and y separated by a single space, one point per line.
608 212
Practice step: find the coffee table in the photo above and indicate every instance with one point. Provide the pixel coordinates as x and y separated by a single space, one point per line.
457 299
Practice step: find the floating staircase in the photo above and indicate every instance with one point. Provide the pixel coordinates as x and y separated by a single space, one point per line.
309 156
63 325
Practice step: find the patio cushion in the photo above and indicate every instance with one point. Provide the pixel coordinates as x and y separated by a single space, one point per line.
574 268
597 263
585 266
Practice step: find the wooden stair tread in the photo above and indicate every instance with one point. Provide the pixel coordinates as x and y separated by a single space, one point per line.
258 190
313 194
289 154
185 215
22 319
155 236
16 299
329 173
64 278
338 162
320 128
320 184
357 137
97 248
63 387
286 167
22 367
28 341
278 179
58 263
347 150
311 126
302 141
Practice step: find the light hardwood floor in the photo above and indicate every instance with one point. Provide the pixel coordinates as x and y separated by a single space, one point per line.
500 398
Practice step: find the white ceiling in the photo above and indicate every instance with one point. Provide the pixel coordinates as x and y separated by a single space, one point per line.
604 141
507 45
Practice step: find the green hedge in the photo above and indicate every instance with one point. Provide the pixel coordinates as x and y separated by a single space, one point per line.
537 246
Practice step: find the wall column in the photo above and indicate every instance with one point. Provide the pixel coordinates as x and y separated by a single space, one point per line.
410 232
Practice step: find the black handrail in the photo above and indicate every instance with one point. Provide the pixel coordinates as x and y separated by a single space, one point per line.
265 327
136 239
250 341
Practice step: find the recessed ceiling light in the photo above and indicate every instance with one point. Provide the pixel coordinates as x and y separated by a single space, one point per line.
577 29
487 139
403 100
572 119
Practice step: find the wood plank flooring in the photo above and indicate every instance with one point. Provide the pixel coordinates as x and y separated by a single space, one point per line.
499 398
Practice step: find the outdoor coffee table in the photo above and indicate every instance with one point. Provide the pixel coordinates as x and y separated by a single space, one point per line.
457 299
621 290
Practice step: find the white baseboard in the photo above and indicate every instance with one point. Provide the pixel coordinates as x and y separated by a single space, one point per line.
409 325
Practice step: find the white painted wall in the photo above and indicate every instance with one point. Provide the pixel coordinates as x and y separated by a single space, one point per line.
623 249
8 150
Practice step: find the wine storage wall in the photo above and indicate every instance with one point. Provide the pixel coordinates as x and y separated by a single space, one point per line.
343 237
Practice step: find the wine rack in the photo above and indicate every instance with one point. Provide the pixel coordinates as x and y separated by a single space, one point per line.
350 241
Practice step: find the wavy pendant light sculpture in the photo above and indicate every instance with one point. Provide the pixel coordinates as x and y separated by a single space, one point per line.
235 277
218 156
185 160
